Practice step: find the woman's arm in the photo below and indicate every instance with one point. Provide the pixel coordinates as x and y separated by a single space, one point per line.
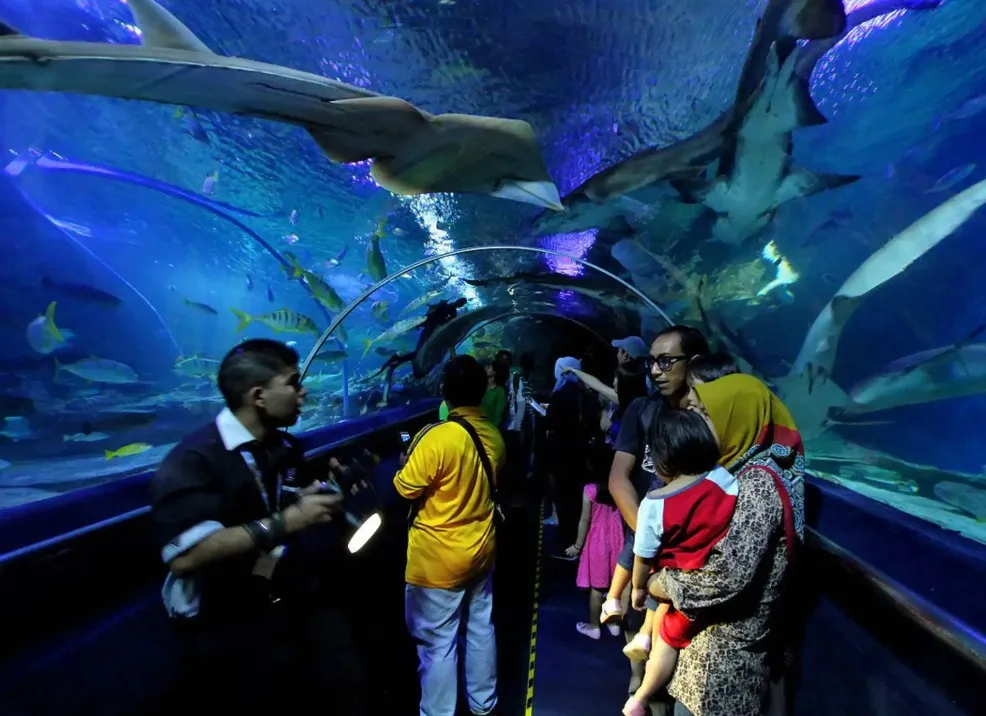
593 383
735 561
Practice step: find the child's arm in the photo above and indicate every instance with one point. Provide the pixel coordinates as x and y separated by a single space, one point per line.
641 570
646 544
584 521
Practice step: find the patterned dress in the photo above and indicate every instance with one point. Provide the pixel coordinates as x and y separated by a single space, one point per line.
724 671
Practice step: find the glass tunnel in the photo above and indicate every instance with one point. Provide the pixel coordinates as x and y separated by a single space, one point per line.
811 203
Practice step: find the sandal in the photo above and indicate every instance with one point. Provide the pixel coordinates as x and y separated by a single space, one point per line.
612 611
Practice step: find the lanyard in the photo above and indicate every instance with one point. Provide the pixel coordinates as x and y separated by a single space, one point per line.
251 462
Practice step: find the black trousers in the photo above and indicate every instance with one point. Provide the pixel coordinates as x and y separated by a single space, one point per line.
273 658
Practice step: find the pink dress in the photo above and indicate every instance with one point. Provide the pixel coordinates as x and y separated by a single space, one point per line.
602 545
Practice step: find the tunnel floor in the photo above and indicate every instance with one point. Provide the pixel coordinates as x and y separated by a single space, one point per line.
573 674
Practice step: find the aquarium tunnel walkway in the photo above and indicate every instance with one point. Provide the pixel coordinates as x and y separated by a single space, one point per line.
893 606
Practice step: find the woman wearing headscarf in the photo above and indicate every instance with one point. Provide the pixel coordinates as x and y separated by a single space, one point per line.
726 669
566 447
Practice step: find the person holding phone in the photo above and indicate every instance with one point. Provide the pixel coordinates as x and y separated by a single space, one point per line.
227 505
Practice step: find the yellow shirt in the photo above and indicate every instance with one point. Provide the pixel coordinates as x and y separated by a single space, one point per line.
452 539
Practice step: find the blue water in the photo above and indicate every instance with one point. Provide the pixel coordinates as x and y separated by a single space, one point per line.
120 202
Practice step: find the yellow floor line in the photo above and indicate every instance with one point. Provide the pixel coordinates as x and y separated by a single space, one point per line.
534 615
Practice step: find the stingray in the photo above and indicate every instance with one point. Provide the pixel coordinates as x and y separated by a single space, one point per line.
413 152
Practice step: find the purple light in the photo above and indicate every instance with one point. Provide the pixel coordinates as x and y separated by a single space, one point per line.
577 245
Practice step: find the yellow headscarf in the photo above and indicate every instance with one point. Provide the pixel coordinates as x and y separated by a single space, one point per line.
748 419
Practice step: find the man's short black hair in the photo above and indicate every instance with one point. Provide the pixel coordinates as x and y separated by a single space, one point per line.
712 367
505 355
253 364
690 339
463 382
681 443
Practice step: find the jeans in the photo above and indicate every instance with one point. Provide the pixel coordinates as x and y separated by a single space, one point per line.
437 619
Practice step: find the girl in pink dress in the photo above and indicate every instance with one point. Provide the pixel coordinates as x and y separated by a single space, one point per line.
598 547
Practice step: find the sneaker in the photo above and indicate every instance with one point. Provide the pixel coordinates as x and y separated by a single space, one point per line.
585 629
638 649
552 520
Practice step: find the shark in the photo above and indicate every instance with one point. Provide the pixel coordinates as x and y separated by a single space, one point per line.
953 371
808 389
756 173
596 202
412 151
602 293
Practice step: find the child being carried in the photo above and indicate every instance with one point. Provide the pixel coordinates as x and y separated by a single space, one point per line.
677 527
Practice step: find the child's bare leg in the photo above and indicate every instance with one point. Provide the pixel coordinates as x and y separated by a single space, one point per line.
595 607
660 669
621 578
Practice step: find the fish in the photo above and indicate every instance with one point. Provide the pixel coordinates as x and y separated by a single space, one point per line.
333 262
43 335
197 367
99 370
17 428
323 292
270 294
376 267
952 178
756 173
128 450
822 341
201 307
379 310
422 300
193 126
593 205
84 437
209 183
395 331
924 377
249 283
293 218
330 356
606 294
82 292
413 152
810 393
283 320
966 497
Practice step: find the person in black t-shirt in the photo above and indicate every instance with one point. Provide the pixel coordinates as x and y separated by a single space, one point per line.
227 504
632 474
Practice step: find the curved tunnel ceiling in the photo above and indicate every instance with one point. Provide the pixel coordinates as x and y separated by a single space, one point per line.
600 83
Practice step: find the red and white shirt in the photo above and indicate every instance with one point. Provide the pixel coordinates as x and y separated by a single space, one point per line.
678 528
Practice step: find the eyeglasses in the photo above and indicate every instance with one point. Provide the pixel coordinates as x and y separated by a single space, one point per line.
664 363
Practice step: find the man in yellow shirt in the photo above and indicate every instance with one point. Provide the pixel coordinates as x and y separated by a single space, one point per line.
451 546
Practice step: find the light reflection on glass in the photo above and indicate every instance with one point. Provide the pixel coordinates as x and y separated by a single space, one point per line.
430 210
576 244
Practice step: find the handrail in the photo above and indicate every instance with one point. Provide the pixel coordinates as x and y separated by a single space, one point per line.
966 641
57 540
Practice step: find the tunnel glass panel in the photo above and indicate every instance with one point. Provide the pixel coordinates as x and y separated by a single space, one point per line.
142 241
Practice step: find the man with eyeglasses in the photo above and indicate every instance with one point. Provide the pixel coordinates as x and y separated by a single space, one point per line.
633 473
